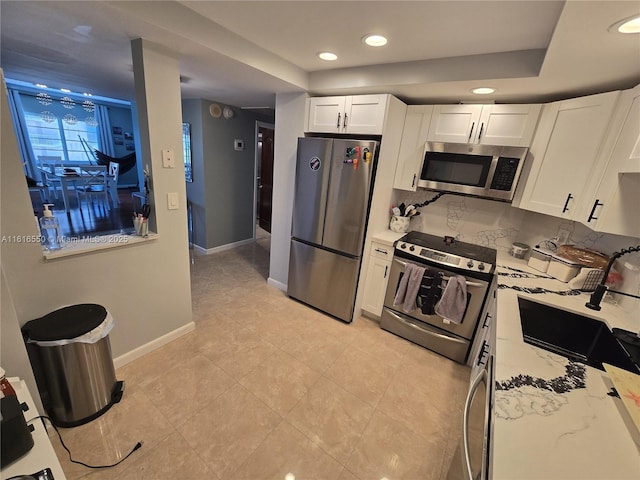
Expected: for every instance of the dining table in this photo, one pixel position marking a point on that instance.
(68, 176)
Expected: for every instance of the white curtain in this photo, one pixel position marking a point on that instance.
(105, 137)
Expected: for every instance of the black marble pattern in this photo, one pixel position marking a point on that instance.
(574, 378)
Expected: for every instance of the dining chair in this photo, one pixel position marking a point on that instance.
(92, 182)
(47, 166)
(114, 170)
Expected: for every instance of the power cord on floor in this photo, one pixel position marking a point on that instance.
(44, 417)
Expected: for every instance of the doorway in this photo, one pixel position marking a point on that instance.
(264, 174)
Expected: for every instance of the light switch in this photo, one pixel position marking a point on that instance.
(168, 159)
(172, 201)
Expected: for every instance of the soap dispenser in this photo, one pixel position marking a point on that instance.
(50, 229)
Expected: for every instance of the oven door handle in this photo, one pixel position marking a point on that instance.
(422, 330)
(446, 279)
(482, 377)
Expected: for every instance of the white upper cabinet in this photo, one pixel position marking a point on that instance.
(509, 125)
(565, 152)
(616, 193)
(414, 136)
(358, 114)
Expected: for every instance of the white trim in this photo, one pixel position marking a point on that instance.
(222, 248)
(277, 284)
(149, 347)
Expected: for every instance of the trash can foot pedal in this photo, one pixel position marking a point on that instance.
(118, 391)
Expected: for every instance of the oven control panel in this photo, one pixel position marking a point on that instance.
(444, 258)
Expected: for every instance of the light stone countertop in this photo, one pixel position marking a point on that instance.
(574, 431)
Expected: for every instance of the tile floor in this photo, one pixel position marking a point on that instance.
(268, 388)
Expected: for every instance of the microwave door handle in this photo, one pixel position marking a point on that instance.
(482, 376)
(446, 279)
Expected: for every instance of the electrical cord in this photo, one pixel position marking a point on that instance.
(45, 417)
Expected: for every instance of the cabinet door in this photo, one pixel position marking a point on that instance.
(509, 125)
(565, 151)
(376, 285)
(326, 114)
(364, 114)
(615, 201)
(455, 123)
(414, 136)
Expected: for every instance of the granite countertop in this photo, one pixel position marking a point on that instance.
(552, 418)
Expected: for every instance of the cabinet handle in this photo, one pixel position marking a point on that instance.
(339, 116)
(566, 204)
(413, 184)
(593, 210)
(379, 250)
(386, 267)
(486, 318)
(480, 134)
(344, 123)
(483, 352)
(471, 132)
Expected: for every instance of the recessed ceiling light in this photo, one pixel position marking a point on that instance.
(65, 90)
(628, 25)
(483, 90)
(41, 85)
(328, 56)
(375, 40)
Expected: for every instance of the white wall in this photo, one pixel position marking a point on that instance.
(146, 287)
(290, 109)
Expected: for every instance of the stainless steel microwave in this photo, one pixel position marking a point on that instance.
(485, 171)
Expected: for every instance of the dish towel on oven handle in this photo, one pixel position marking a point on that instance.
(408, 287)
(453, 303)
(430, 291)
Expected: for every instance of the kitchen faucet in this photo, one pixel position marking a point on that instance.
(601, 289)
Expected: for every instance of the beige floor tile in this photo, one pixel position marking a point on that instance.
(347, 475)
(387, 449)
(171, 459)
(384, 344)
(280, 381)
(363, 374)
(316, 349)
(332, 418)
(288, 454)
(187, 388)
(229, 429)
(111, 436)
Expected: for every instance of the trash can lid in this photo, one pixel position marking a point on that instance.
(67, 322)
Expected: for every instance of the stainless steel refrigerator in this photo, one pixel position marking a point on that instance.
(330, 210)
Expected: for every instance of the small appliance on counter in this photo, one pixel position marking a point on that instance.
(16, 436)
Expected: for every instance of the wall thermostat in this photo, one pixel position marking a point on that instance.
(238, 144)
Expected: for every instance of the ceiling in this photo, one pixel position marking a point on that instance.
(244, 52)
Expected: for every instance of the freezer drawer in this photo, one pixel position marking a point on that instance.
(322, 279)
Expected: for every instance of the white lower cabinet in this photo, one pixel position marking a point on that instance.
(377, 278)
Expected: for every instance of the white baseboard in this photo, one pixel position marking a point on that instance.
(222, 248)
(277, 284)
(153, 345)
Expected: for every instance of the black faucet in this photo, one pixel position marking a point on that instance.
(596, 297)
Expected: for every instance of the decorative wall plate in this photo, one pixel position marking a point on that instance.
(227, 112)
(215, 110)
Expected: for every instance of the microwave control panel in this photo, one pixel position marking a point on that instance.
(505, 173)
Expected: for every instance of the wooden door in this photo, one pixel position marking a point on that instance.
(265, 182)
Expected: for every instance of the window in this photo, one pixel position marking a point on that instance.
(186, 151)
(52, 136)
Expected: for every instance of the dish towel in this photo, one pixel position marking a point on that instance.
(453, 303)
(430, 291)
(408, 287)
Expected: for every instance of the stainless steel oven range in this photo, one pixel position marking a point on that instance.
(447, 257)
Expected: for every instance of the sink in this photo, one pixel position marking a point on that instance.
(576, 337)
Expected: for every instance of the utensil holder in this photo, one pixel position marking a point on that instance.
(399, 224)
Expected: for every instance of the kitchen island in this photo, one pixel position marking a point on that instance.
(552, 418)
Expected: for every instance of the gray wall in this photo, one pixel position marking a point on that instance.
(222, 193)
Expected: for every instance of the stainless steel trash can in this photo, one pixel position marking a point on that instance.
(70, 354)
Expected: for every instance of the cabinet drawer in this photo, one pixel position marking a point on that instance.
(380, 250)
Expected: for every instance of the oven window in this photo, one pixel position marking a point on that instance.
(455, 168)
